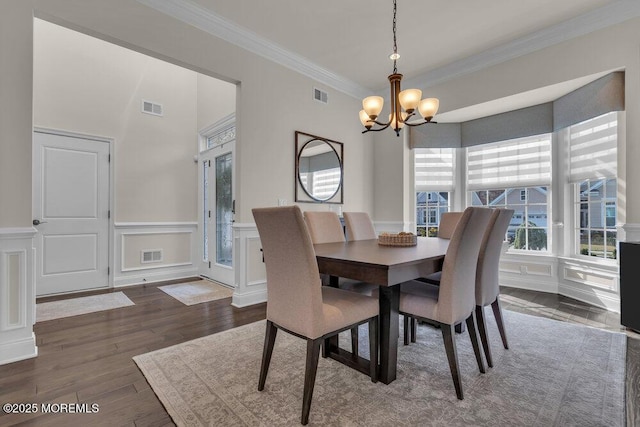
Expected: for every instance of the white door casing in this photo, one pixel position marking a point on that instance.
(71, 202)
(218, 265)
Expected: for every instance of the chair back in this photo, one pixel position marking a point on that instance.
(294, 296)
(448, 222)
(487, 284)
(456, 298)
(324, 227)
(359, 226)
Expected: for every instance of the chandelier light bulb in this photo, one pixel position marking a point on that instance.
(428, 108)
(364, 119)
(409, 99)
(372, 105)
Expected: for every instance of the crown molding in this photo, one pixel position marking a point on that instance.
(611, 14)
(212, 23)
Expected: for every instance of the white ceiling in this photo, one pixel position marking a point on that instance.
(346, 43)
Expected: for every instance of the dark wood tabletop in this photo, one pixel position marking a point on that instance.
(386, 266)
(368, 261)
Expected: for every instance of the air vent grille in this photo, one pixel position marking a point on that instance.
(320, 95)
(151, 108)
(150, 255)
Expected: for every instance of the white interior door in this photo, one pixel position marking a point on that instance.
(218, 213)
(71, 211)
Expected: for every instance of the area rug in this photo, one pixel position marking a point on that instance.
(197, 292)
(555, 374)
(82, 305)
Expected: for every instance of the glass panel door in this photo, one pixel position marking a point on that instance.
(224, 210)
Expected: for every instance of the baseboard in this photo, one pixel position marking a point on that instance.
(150, 277)
(246, 299)
(590, 295)
(15, 351)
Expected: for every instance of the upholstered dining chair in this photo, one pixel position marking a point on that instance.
(447, 225)
(359, 226)
(454, 300)
(297, 303)
(487, 283)
(325, 227)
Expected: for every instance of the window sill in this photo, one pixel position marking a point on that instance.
(609, 265)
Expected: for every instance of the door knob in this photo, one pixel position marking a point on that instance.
(38, 222)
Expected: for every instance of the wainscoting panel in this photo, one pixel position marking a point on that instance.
(154, 251)
(17, 294)
(251, 277)
(529, 272)
(593, 283)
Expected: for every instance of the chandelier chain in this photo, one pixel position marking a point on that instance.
(395, 43)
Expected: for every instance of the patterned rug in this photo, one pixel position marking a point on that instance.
(555, 374)
(83, 305)
(197, 292)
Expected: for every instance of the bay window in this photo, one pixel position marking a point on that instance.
(514, 174)
(593, 170)
(434, 184)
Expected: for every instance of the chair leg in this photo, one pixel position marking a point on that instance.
(269, 341)
(373, 349)
(354, 341)
(475, 342)
(452, 356)
(406, 329)
(497, 312)
(313, 354)
(414, 329)
(482, 328)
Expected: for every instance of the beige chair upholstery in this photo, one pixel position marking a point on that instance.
(324, 227)
(296, 301)
(359, 226)
(448, 222)
(454, 300)
(487, 283)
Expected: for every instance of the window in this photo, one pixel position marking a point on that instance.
(434, 179)
(514, 174)
(528, 229)
(593, 169)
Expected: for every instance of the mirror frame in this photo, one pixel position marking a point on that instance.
(301, 194)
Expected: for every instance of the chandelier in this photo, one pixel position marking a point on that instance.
(407, 100)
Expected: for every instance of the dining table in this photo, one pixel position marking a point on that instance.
(385, 266)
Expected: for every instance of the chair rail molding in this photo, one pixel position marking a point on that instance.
(17, 294)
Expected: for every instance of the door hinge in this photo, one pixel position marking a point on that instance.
(209, 264)
(109, 214)
(108, 271)
(109, 158)
(209, 214)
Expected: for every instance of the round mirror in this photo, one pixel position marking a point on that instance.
(319, 170)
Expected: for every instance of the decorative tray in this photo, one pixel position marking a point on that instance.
(400, 239)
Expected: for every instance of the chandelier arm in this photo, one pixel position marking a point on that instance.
(419, 124)
(376, 130)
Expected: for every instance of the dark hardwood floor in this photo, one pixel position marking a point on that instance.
(88, 358)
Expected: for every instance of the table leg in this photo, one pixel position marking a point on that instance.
(389, 298)
(331, 344)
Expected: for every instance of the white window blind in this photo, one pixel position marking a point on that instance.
(593, 148)
(434, 169)
(514, 163)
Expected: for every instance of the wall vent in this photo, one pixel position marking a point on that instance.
(150, 255)
(320, 95)
(151, 108)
